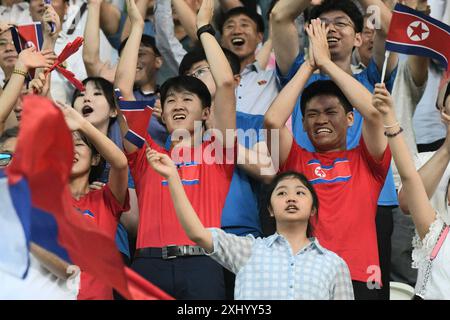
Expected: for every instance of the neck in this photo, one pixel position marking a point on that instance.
(180, 33)
(246, 61)
(8, 72)
(196, 138)
(343, 63)
(79, 186)
(149, 86)
(103, 127)
(295, 234)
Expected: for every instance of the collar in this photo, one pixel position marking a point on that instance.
(314, 243)
(253, 67)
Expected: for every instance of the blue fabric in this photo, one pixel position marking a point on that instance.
(368, 78)
(157, 131)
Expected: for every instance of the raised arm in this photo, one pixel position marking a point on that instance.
(285, 36)
(225, 99)
(187, 18)
(385, 16)
(170, 47)
(433, 170)
(421, 210)
(28, 59)
(91, 47)
(118, 174)
(355, 92)
(186, 214)
(109, 18)
(281, 109)
(229, 4)
(126, 69)
(142, 6)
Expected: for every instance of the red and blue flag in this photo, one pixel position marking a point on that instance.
(413, 33)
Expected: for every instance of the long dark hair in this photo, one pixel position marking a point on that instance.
(268, 222)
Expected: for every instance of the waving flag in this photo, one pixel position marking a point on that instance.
(40, 206)
(414, 33)
(26, 36)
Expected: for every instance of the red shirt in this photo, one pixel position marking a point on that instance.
(206, 186)
(348, 184)
(102, 208)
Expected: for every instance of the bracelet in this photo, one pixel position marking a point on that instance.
(206, 28)
(395, 124)
(392, 135)
(20, 72)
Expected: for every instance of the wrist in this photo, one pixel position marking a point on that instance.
(324, 64)
(208, 28)
(21, 66)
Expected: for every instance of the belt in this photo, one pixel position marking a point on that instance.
(169, 252)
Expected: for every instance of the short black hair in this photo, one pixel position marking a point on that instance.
(96, 172)
(8, 134)
(447, 93)
(190, 84)
(346, 6)
(146, 41)
(268, 223)
(324, 88)
(198, 54)
(245, 11)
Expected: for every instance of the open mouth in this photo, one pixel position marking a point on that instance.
(86, 111)
(323, 131)
(237, 42)
(179, 116)
(292, 208)
(332, 40)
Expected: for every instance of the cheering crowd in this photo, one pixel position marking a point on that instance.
(246, 149)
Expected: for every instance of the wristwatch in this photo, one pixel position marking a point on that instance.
(206, 28)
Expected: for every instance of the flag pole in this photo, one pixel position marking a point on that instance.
(386, 57)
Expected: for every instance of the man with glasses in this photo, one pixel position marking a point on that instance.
(345, 22)
(8, 141)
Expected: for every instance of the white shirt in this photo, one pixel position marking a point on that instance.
(17, 14)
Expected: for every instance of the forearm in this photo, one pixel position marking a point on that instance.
(91, 47)
(256, 162)
(187, 216)
(107, 149)
(263, 55)
(432, 171)
(285, 35)
(187, 18)
(126, 69)
(169, 46)
(11, 93)
(142, 6)
(109, 18)
(284, 104)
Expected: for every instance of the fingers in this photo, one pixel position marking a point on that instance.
(96, 185)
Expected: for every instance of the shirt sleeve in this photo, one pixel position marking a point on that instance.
(342, 286)
(230, 250)
(116, 208)
(379, 168)
(168, 45)
(284, 79)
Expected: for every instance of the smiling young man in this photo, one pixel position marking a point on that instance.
(165, 255)
(348, 182)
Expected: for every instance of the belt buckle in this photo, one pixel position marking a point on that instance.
(166, 255)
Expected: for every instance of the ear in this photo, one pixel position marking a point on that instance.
(206, 112)
(113, 113)
(260, 37)
(271, 214)
(95, 160)
(158, 62)
(358, 40)
(313, 212)
(350, 118)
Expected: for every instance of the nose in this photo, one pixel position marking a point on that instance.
(291, 200)
(322, 118)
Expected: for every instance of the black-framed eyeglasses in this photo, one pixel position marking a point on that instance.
(5, 158)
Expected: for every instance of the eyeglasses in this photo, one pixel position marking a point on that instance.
(199, 73)
(5, 159)
(339, 23)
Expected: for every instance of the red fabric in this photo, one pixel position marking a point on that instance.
(101, 208)
(206, 186)
(44, 156)
(348, 185)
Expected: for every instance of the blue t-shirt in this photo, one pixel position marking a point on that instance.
(368, 78)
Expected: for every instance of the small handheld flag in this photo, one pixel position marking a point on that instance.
(414, 33)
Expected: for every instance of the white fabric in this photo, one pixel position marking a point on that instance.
(62, 89)
(406, 95)
(13, 246)
(18, 13)
(40, 284)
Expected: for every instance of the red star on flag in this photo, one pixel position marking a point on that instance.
(418, 30)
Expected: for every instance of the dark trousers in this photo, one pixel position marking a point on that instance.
(385, 226)
(184, 278)
(362, 291)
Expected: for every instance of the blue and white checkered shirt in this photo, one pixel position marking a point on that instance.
(266, 269)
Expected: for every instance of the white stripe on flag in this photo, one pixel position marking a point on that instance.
(13, 244)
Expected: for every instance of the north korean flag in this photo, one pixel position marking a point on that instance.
(414, 33)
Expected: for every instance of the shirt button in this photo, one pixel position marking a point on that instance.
(292, 264)
(291, 286)
(240, 97)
